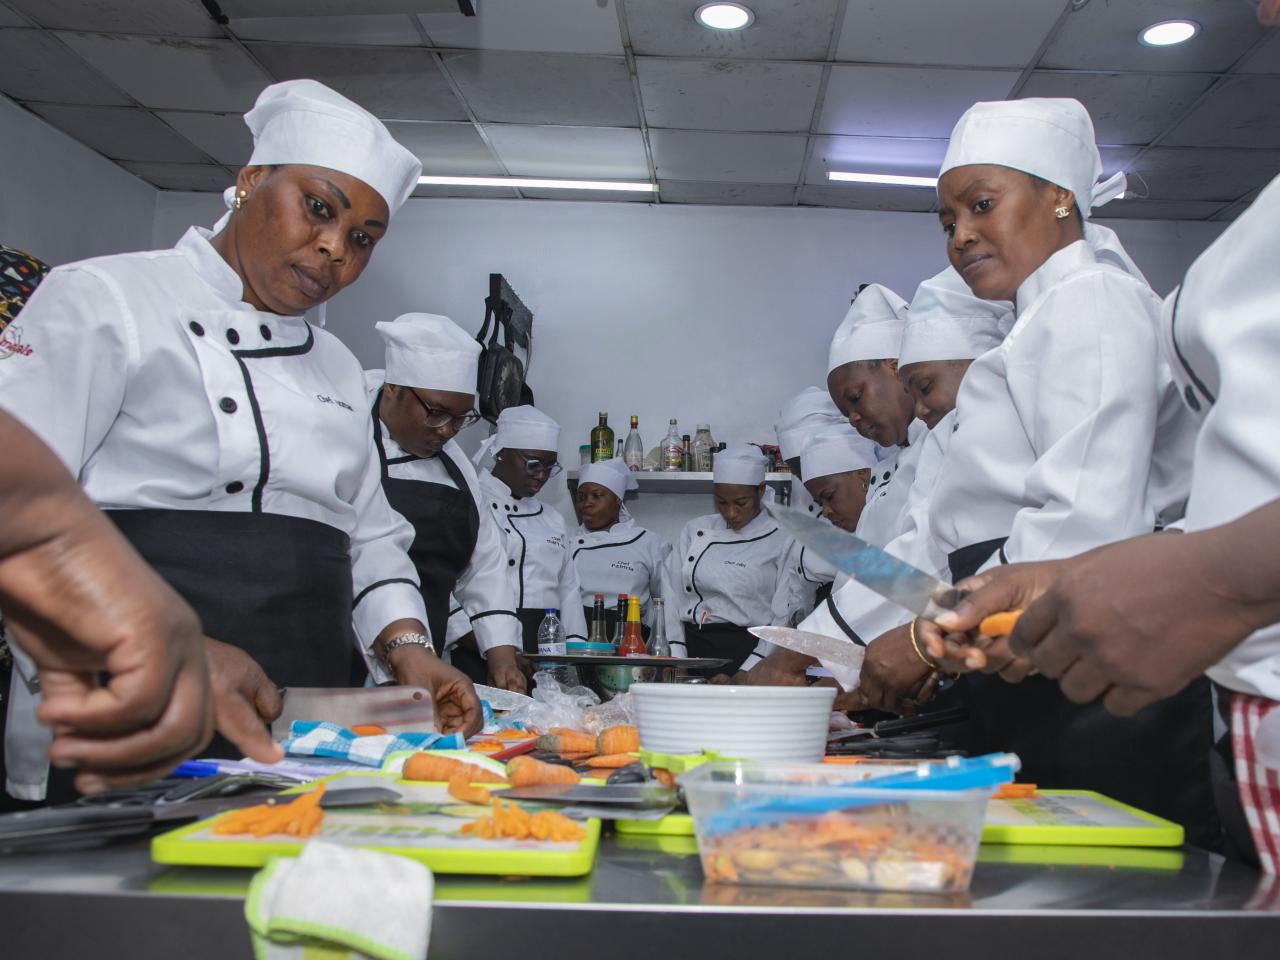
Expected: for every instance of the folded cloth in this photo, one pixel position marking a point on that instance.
(340, 902)
(310, 738)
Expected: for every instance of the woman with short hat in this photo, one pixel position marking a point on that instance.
(225, 435)
(808, 412)
(533, 535)
(615, 555)
(420, 401)
(730, 565)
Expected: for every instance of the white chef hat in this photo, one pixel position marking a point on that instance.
(430, 352)
(526, 428)
(948, 322)
(871, 329)
(800, 417)
(740, 464)
(837, 449)
(614, 475)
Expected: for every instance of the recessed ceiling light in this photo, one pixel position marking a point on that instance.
(724, 16)
(1166, 33)
(637, 186)
(851, 177)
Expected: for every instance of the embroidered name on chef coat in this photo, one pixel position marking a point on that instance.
(623, 565)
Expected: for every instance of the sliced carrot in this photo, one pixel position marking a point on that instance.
(999, 624)
(301, 817)
(528, 772)
(664, 777)
(431, 767)
(1016, 791)
(460, 788)
(513, 735)
(510, 820)
(611, 762)
(620, 739)
(368, 730)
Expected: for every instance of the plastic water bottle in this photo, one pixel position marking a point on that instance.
(551, 643)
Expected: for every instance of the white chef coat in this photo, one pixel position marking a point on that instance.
(1221, 335)
(800, 498)
(537, 549)
(1058, 424)
(887, 498)
(628, 559)
(485, 590)
(130, 377)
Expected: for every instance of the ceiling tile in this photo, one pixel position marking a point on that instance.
(448, 149)
(914, 158)
(1126, 108)
(173, 18)
(34, 66)
(958, 34)
(748, 194)
(205, 178)
(1190, 173)
(10, 19)
(1266, 58)
(1104, 36)
(121, 133)
(609, 153)
(728, 94)
(222, 136)
(905, 102)
(1243, 112)
(783, 30)
(1158, 210)
(388, 29)
(732, 157)
(469, 193)
(177, 74)
(859, 197)
(545, 88)
(549, 26)
(236, 9)
(590, 196)
(393, 83)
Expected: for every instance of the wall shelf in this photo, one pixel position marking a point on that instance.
(658, 481)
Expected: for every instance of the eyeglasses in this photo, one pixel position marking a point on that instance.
(436, 419)
(535, 467)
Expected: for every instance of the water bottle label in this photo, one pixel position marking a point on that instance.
(553, 649)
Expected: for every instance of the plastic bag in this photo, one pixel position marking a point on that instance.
(620, 711)
(553, 705)
(842, 658)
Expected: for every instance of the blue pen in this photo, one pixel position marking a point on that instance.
(195, 768)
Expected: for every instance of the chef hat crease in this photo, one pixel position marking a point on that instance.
(871, 328)
(430, 352)
(947, 322)
(740, 464)
(805, 413)
(614, 475)
(521, 428)
(838, 449)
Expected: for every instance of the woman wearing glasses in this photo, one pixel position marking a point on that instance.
(534, 535)
(420, 402)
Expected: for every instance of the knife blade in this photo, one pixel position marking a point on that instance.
(395, 708)
(909, 587)
(637, 795)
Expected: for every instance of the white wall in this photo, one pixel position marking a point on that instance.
(714, 314)
(61, 201)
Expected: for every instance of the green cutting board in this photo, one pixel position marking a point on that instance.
(424, 826)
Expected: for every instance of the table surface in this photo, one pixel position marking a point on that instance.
(648, 892)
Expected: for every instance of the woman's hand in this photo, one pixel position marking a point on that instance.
(456, 704)
(504, 670)
(893, 677)
(782, 668)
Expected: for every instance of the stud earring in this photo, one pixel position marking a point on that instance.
(1062, 213)
(241, 197)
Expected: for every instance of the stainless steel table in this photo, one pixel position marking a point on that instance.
(646, 898)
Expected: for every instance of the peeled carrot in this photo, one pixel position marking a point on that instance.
(368, 730)
(999, 624)
(611, 762)
(460, 788)
(300, 818)
(568, 742)
(620, 739)
(510, 820)
(437, 769)
(575, 757)
(528, 772)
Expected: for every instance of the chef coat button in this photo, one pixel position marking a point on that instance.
(506, 506)
(508, 529)
(688, 589)
(511, 563)
(265, 331)
(699, 533)
(196, 328)
(227, 405)
(1192, 400)
(691, 559)
(494, 505)
(233, 337)
(235, 486)
(580, 540)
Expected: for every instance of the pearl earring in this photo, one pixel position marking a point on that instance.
(241, 197)
(1062, 213)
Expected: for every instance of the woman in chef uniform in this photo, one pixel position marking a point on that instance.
(799, 419)
(613, 554)
(533, 535)
(1071, 435)
(731, 564)
(225, 435)
(423, 398)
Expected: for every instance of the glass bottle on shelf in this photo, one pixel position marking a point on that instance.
(618, 449)
(602, 439)
(584, 454)
(702, 447)
(619, 622)
(672, 449)
(633, 449)
(599, 632)
(632, 642)
(658, 645)
(686, 455)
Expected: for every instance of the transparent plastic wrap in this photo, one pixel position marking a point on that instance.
(842, 658)
(553, 705)
(620, 711)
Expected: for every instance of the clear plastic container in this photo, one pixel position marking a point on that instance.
(802, 825)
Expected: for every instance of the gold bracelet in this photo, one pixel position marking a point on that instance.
(915, 645)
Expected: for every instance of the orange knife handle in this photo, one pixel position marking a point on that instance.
(999, 624)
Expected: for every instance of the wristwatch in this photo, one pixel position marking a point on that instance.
(404, 640)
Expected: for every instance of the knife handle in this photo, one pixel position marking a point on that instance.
(71, 819)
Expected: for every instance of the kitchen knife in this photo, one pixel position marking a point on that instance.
(635, 795)
(396, 709)
(907, 586)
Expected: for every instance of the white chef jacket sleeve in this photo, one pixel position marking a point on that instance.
(459, 624)
(571, 615)
(674, 576)
(68, 386)
(383, 578)
(793, 595)
(486, 592)
(661, 584)
(1087, 397)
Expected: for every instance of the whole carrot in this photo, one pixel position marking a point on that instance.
(528, 772)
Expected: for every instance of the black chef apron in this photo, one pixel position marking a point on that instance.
(1156, 760)
(445, 526)
(725, 640)
(277, 587)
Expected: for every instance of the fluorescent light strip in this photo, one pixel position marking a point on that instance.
(848, 177)
(637, 186)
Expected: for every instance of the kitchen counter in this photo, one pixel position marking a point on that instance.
(648, 894)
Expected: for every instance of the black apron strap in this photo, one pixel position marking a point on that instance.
(725, 640)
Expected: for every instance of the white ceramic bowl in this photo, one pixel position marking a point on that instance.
(748, 723)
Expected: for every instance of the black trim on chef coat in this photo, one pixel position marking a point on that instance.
(602, 546)
(514, 528)
(380, 583)
(1191, 374)
(693, 574)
